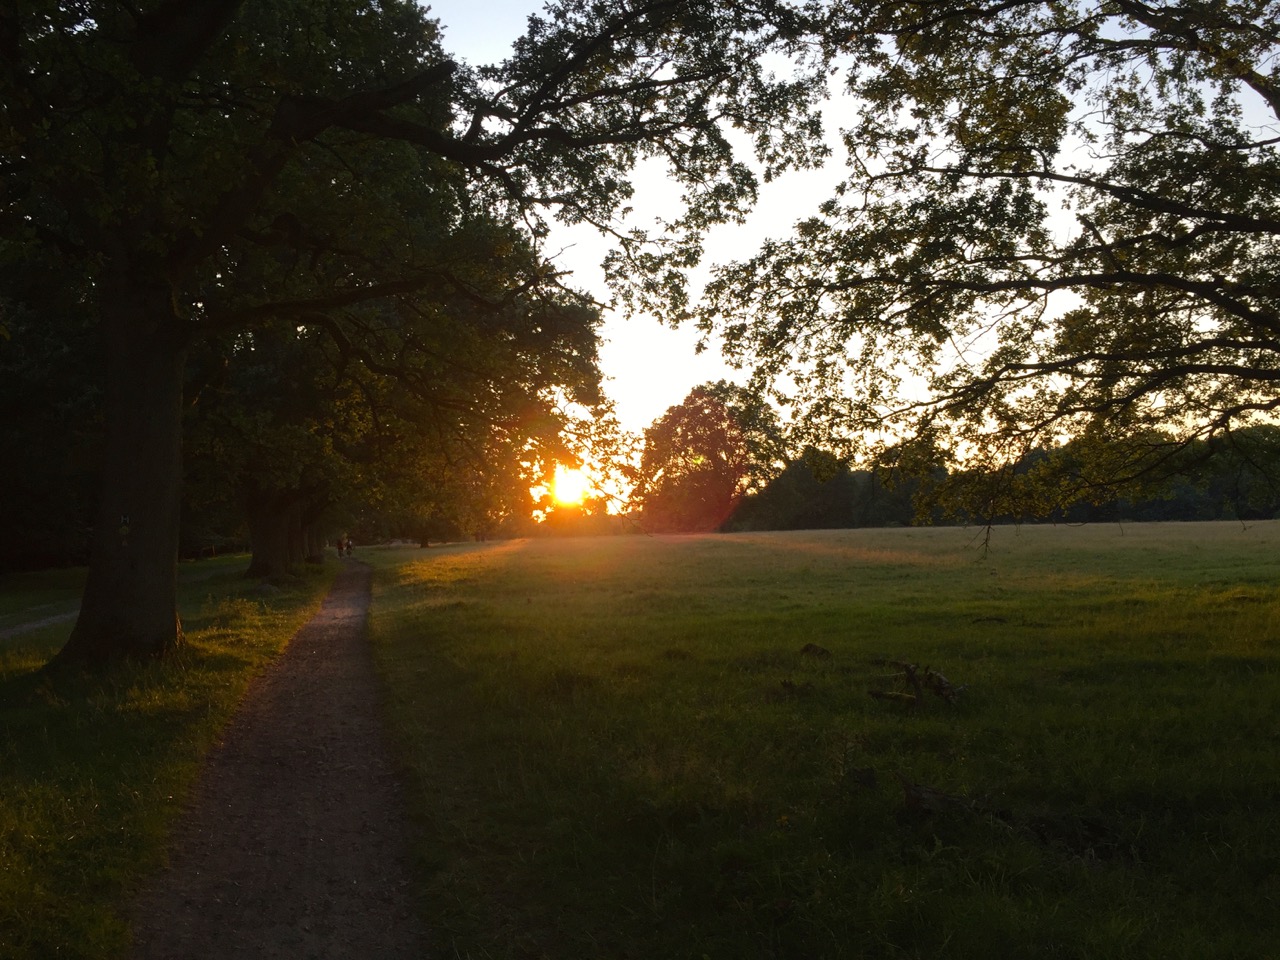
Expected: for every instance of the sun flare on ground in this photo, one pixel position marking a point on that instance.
(570, 485)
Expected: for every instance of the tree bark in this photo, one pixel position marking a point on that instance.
(315, 543)
(272, 519)
(297, 536)
(313, 524)
(284, 529)
(129, 607)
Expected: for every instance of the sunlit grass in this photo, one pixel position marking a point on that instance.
(620, 750)
(94, 770)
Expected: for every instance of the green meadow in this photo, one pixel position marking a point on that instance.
(668, 747)
(94, 769)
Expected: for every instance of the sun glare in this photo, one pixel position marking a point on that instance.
(570, 485)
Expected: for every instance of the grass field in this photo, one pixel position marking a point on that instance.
(618, 748)
(93, 771)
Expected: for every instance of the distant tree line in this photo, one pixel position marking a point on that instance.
(817, 492)
(718, 461)
(1234, 476)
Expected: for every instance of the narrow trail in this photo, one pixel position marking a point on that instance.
(30, 625)
(296, 845)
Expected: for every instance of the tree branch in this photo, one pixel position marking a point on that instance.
(171, 38)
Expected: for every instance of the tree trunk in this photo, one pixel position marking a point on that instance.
(315, 543)
(271, 519)
(297, 536)
(129, 608)
(284, 531)
(313, 525)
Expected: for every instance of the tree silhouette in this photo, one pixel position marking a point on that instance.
(701, 457)
(1060, 220)
(207, 166)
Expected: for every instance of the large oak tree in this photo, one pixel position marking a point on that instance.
(158, 148)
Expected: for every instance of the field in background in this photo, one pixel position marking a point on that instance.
(93, 771)
(621, 748)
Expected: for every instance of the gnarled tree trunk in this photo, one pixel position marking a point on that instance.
(129, 607)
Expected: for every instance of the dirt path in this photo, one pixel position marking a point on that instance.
(27, 626)
(30, 625)
(296, 845)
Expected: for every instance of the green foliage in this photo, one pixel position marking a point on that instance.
(819, 492)
(1156, 476)
(220, 172)
(619, 747)
(288, 156)
(97, 768)
(1235, 475)
(389, 418)
(50, 404)
(1059, 221)
(703, 455)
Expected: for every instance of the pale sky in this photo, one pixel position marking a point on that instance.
(650, 367)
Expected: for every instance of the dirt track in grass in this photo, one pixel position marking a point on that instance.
(296, 844)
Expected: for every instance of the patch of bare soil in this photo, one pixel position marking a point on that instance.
(296, 845)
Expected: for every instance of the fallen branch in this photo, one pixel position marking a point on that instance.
(894, 697)
(916, 682)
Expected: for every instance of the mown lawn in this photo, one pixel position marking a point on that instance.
(94, 770)
(618, 747)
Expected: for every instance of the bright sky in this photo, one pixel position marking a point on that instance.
(650, 367)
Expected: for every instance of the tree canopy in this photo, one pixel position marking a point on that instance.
(208, 168)
(1059, 222)
(1060, 219)
(703, 455)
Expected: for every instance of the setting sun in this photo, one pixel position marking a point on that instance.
(570, 485)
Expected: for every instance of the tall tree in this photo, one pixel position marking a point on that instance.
(304, 417)
(1061, 219)
(702, 456)
(160, 147)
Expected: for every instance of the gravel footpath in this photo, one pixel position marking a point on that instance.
(296, 844)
